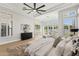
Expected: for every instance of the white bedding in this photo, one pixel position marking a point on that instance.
(44, 50)
(44, 47)
(68, 48)
(59, 50)
(37, 44)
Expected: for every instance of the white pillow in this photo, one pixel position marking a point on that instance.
(62, 44)
(68, 48)
(68, 39)
(58, 51)
(60, 48)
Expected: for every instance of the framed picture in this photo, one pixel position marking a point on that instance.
(25, 28)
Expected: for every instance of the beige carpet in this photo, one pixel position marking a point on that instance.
(3, 48)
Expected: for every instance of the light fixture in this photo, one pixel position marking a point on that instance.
(34, 10)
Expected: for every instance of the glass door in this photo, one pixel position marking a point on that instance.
(69, 20)
(69, 23)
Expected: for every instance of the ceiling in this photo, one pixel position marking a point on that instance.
(49, 7)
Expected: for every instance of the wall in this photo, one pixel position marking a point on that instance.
(17, 21)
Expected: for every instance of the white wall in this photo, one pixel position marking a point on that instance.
(17, 21)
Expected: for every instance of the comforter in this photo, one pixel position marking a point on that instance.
(39, 44)
(44, 47)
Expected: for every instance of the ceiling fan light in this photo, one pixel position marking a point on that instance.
(34, 10)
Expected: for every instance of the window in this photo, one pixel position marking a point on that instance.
(69, 18)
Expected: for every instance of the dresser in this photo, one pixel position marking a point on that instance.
(25, 36)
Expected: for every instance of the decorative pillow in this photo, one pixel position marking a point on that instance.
(67, 49)
(58, 51)
(60, 48)
(57, 41)
(68, 39)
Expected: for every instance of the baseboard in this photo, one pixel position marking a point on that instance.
(8, 42)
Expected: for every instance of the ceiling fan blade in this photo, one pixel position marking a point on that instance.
(38, 12)
(27, 9)
(28, 5)
(24, 8)
(42, 10)
(29, 12)
(34, 5)
(40, 7)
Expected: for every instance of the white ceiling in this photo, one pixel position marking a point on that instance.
(18, 7)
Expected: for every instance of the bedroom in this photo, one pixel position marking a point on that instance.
(52, 28)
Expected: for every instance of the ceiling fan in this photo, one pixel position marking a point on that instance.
(34, 9)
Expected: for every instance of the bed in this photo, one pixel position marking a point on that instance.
(45, 47)
(38, 45)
